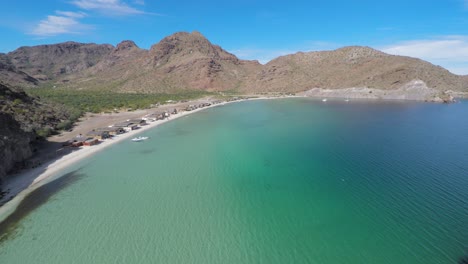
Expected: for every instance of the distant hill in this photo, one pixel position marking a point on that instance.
(48, 62)
(352, 67)
(188, 61)
(179, 62)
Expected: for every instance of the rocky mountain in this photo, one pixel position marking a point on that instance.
(352, 67)
(179, 62)
(188, 61)
(9, 74)
(23, 120)
(48, 62)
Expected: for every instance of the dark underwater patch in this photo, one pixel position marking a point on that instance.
(10, 226)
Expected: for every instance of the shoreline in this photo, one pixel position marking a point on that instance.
(25, 182)
(413, 91)
(29, 180)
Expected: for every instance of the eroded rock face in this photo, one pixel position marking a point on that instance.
(415, 90)
(125, 45)
(31, 113)
(9, 74)
(15, 143)
(22, 120)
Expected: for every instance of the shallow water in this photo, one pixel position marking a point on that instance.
(277, 181)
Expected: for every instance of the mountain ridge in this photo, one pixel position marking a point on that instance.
(189, 61)
(354, 66)
(47, 62)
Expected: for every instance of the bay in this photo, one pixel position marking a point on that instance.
(267, 181)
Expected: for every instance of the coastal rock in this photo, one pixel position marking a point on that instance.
(14, 144)
(32, 114)
(415, 90)
(24, 120)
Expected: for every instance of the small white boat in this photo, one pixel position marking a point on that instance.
(138, 139)
(347, 100)
(324, 99)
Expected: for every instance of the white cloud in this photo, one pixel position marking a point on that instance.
(109, 7)
(450, 52)
(71, 14)
(63, 23)
(68, 22)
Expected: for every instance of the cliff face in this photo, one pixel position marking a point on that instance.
(23, 120)
(15, 143)
(32, 114)
(9, 74)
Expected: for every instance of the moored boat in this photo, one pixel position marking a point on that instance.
(138, 139)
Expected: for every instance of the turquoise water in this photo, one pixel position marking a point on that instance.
(277, 181)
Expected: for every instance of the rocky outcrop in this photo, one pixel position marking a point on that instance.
(183, 45)
(415, 90)
(10, 75)
(125, 45)
(32, 114)
(24, 120)
(15, 144)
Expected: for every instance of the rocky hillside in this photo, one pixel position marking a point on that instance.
(179, 62)
(351, 67)
(15, 144)
(188, 61)
(48, 62)
(23, 120)
(9, 74)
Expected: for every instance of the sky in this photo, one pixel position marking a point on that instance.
(433, 30)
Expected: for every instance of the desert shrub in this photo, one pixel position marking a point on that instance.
(17, 101)
(44, 132)
(65, 125)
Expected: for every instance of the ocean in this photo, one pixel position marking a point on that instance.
(265, 181)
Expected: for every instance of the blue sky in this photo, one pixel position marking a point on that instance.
(434, 30)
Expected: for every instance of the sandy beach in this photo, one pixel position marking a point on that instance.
(26, 181)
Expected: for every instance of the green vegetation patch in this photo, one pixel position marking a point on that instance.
(100, 101)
